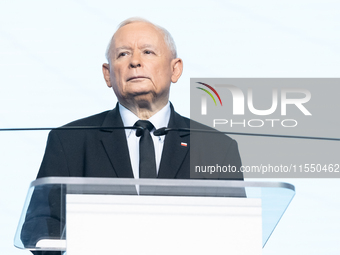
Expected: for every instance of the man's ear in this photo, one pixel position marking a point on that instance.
(177, 69)
(106, 73)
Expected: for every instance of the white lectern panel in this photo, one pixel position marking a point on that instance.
(154, 225)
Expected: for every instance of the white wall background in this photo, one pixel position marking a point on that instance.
(50, 74)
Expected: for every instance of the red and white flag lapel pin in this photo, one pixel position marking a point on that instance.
(184, 144)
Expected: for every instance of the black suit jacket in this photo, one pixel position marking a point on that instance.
(104, 152)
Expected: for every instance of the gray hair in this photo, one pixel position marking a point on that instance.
(167, 36)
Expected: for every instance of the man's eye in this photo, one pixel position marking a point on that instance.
(122, 54)
(148, 52)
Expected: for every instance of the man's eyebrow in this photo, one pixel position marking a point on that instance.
(147, 46)
(123, 48)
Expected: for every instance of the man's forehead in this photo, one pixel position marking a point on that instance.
(142, 46)
(141, 31)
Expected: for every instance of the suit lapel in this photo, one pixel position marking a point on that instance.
(115, 144)
(174, 151)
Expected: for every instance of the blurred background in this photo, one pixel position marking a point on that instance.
(51, 54)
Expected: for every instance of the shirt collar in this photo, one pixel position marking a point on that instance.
(159, 120)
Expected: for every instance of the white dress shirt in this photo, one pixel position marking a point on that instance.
(159, 120)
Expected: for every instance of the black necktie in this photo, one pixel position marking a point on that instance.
(147, 161)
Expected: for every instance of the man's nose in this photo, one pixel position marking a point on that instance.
(135, 61)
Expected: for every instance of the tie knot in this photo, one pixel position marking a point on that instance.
(145, 124)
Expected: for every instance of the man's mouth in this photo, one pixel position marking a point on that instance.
(137, 77)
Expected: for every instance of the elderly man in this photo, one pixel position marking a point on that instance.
(142, 65)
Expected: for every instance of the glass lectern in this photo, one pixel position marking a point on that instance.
(128, 213)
